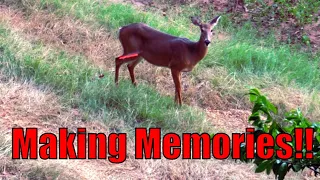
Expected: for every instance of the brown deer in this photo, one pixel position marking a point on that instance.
(179, 54)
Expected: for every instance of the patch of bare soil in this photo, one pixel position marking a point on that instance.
(230, 121)
(288, 31)
(313, 32)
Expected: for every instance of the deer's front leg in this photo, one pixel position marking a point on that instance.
(176, 75)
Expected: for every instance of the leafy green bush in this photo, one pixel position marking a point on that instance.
(275, 125)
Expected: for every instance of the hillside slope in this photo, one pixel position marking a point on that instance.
(33, 38)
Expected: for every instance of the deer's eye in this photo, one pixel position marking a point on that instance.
(211, 30)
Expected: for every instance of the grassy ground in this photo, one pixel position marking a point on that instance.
(27, 104)
(243, 54)
(64, 46)
(75, 80)
(244, 60)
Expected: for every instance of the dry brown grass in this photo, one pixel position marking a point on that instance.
(25, 106)
(66, 34)
(206, 89)
(98, 46)
(288, 98)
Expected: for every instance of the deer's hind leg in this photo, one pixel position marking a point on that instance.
(119, 62)
(131, 67)
(131, 53)
(132, 57)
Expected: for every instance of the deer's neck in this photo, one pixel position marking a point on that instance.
(201, 50)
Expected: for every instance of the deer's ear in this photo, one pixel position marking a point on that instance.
(195, 20)
(215, 21)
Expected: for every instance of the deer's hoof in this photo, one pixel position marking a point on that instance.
(135, 84)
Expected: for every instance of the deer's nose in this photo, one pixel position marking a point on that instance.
(207, 42)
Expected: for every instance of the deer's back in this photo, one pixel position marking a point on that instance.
(155, 46)
(143, 32)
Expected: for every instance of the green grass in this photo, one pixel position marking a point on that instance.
(111, 15)
(280, 63)
(73, 78)
(245, 53)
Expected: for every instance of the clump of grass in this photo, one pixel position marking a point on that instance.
(5, 145)
(76, 80)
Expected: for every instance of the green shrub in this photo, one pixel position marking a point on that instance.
(276, 125)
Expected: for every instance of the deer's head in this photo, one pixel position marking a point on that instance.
(206, 28)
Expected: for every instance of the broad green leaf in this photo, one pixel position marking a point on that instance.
(262, 166)
(275, 132)
(211, 135)
(296, 167)
(283, 171)
(255, 91)
(254, 117)
(276, 166)
(258, 160)
(269, 169)
(272, 108)
(264, 101)
(253, 97)
(269, 166)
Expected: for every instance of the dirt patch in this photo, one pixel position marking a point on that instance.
(231, 121)
(313, 32)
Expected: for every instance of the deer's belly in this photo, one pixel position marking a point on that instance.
(157, 59)
(183, 66)
(187, 69)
